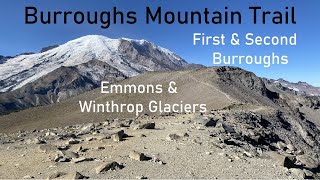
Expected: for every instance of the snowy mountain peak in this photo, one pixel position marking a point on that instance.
(143, 42)
(94, 40)
(131, 59)
(300, 87)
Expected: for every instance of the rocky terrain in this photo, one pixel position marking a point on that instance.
(3, 59)
(59, 85)
(215, 145)
(45, 49)
(299, 87)
(252, 129)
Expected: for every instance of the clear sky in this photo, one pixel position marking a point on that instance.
(17, 37)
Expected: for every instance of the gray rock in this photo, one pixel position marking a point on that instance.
(74, 176)
(100, 137)
(70, 154)
(137, 156)
(80, 149)
(141, 177)
(37, 140)
(289, 161)
(291, 147)
(60, 158)
(282, 160)
(82, 159)
(108, 166)
(86, 129)
(62, 148)
(248, 154)
(281, 145)
(100, 148)
(73, 141)
(50, 134)
(45, 148)
(149, 125)
(228, 128)
(65, 135)
(298, 173)
(91, 138)
(300, 152)
(157, 160)
(28, 177)
(173, 137)
(106, 123)
(308, 173)
(118, 136)
(307, 161)
(63, 175)
(205, 121)
(183, 135)
(56, 175)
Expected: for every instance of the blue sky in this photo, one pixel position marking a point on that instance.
(17, 37)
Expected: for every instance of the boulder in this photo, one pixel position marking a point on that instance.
(307, 161)
(63, 175)
(149, 125)
(282, 160)
(298, 173)
(70, 154)
(108, 166)
(118, 136)
(205, 121)
(82, 159)
(86, 129)
(137, 156)
(56, 175)
(74, 175)
(309, 174)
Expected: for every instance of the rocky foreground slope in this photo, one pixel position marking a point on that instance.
(254, 129)
(216, 145)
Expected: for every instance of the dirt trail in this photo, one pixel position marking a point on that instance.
(209, 85)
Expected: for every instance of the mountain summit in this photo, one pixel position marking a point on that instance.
(130, 57)
(78, 66)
